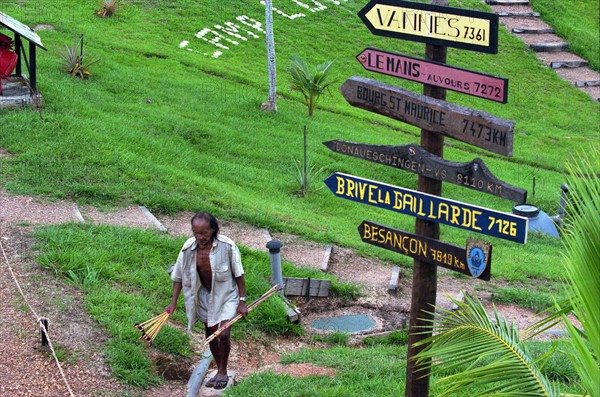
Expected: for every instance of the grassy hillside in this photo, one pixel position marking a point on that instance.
(578, 22)
(202, 142)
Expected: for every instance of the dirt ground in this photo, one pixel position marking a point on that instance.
(27, 369)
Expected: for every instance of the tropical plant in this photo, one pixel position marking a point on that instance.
(310, 85)
(108, 8)
(582, 268)
(490, 353)
(76, 63)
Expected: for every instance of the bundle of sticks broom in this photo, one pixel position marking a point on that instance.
(151, 328)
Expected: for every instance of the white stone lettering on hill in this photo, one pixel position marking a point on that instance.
(222, 35)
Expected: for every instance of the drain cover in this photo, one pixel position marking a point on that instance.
(349, 323)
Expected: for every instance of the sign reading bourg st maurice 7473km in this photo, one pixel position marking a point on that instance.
(472, 126)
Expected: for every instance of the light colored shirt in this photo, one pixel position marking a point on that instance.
(226, 266)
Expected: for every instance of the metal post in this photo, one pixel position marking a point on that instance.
(274, 247)
(32, 67)
(44, 324)
(18, 45)
(424, 283)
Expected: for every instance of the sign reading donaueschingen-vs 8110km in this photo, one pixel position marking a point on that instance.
(432, 24)
(429, 207)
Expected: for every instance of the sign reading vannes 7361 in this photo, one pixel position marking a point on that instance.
(429, 207)
(432, 24)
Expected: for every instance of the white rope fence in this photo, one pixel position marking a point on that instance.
(38, 320)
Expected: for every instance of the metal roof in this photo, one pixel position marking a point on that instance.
(21, 29)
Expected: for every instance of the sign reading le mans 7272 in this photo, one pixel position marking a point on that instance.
(432, 24)
(429, 207)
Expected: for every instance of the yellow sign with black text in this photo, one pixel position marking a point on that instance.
(438, 25)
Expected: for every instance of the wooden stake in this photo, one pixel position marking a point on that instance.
(424, 285)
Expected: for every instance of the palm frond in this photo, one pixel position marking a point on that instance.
(487, 353)
(582, 268)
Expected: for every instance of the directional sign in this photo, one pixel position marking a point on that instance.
(413, 158)
(438, 74)
(429, 207)
(472, 126)
(425, 249)
(432, 24)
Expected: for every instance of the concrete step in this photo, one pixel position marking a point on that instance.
(514, 11)
(568, 64)
(548, 47)
(524, 14)
(532, 30)
(594, 92)
(527, 25)
(508, 2)
(561, 59)
(580, 77)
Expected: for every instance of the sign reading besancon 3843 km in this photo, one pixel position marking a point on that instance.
(429, 207)
(432, 24)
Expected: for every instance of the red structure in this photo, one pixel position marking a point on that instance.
(12, 59)
(8, 58)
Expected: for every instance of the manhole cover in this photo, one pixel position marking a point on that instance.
(349, 323)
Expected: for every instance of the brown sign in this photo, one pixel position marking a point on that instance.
(477, 128)
(413, 158)
(427, 250)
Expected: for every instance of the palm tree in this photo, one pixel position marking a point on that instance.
(490, 352)
(310, 85)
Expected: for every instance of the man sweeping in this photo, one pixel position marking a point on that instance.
(209, 270)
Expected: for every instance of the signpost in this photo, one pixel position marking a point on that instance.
(413, 158)
(432, 24)
(425, 249)
(478, 128)
(429, 207)
(438, 26)
(440, 75)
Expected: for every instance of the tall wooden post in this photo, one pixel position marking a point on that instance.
(424, 282)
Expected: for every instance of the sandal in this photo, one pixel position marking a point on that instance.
(212, 381)
(221, 383)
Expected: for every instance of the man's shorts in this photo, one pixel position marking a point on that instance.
(203, 299)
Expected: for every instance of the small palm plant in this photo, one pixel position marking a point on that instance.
(310, 85)
(491, 353)
(75, 61)
(109, 8)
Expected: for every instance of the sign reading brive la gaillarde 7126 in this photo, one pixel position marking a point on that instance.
(429, 207)
(440, 75)
(413, 158)
(472, 126)
(429, 250)
(432, 24)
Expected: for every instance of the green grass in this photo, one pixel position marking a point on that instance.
(123, 273)
(526, 298)
(577, 22)
(334, 338)
(378, 370)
